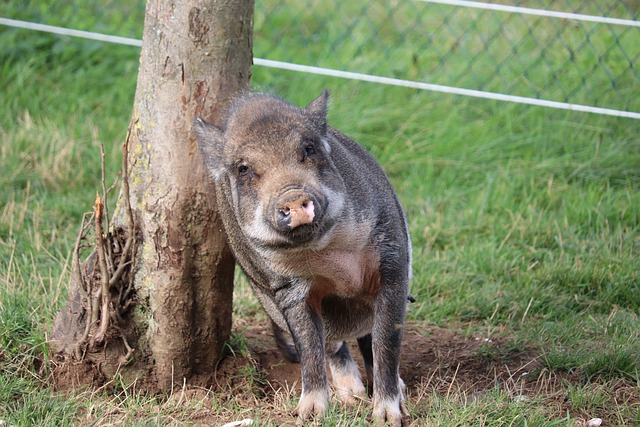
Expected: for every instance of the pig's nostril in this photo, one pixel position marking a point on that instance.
(284, 213)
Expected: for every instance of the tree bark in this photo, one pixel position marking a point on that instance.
(196, 55)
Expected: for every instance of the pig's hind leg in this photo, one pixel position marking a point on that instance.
(346, 376)
(364, 344)
(285, 343)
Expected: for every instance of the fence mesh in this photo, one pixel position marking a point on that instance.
(542, 57)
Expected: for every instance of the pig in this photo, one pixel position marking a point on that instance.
(316, 226)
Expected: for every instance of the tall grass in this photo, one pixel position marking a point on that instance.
(525, 221)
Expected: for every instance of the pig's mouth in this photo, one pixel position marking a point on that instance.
(305, 235)
(301, 234)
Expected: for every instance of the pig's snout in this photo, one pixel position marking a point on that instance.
(294, 212)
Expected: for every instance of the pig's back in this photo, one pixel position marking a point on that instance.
(366, 181)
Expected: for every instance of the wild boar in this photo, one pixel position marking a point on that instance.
(317, 227)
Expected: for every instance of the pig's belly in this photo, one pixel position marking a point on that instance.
(346, 318)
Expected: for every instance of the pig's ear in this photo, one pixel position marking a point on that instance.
(317, 110)
(211, 143)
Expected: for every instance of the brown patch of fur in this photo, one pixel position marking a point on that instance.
(321, 288)
(351, 273)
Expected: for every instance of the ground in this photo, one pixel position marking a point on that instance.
(254, 381)
(433, 360)
(429, 354)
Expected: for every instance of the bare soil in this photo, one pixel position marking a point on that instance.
(433, 359)
(261, 384)
(429, 353)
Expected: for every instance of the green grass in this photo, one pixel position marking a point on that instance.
(525, 224)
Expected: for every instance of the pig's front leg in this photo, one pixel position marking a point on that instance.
(306, 329)
(388, 388)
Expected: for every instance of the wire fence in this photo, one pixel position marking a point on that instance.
(566, 52)
(573, 54)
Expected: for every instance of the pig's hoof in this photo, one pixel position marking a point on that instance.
(312, 404)
(389, 412)
(349, 388)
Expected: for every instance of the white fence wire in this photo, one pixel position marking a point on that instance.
(537, 12)
(370, 77)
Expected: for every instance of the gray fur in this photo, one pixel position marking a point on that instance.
(317, 227)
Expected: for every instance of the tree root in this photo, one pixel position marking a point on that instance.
(104, 280)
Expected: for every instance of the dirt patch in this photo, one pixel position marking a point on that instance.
(75, 375)
(256, 378)
(446, 362)
(431, 356)
(255, 381)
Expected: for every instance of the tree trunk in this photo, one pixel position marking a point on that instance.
(196, 55)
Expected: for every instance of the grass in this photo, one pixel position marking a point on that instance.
(525, 224)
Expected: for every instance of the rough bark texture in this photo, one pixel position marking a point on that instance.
(196, 55)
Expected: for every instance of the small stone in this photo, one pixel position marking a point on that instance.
(521, 398)
(593, 422)
(245, 422)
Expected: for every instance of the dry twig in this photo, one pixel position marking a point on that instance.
(104, 272)
(112, 260)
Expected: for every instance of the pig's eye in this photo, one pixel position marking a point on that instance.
(309, 149)
(243, 170)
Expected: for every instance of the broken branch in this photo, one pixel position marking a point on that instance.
(104, 278)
